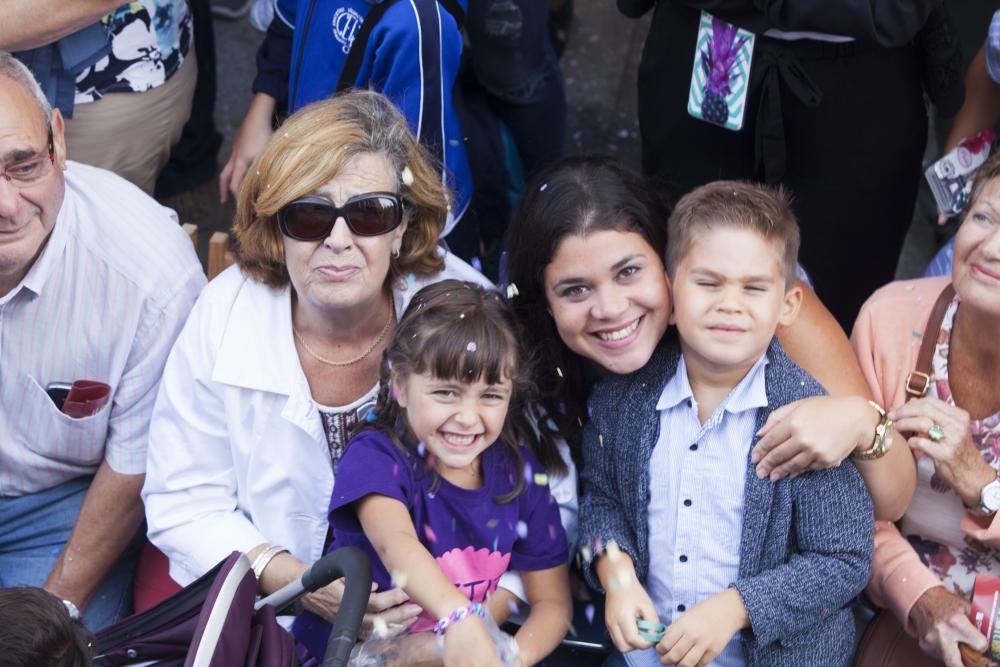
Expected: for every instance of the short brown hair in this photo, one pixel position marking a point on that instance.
(312, 146)
(35, 629)
(762, 209)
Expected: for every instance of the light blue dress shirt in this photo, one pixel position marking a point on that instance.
(697, 474)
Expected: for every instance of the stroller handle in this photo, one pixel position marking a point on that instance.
(351, 564)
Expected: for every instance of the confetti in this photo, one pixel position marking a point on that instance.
(492, 523)
(400, 578)
(600, 439)
(429, 533)
(461, 316)
(586, 553)
(471, 347)
(527, 472)
(371, 416)
(522, 529)
(917, 334)
(512, 291)
(407, 176)
(421, 448)
(588, 611)
(379, 627)
(411, 280)
(541, 479)
(544, 186)
(559, 371)
(612, 551)
(395, 470)
(496, 543)
(476, 264)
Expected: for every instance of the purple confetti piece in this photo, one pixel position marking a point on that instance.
(476, 264)
(421, 449)
(588, 611)
(395, 470)
(429, 533)
(528, 474)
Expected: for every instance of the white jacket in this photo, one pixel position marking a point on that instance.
(237, 455)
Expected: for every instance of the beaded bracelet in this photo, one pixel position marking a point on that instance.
(475, 608)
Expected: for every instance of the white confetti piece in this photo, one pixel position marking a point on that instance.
(471, 347)
(522, 529)
(407, 176)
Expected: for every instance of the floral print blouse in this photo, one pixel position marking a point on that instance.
(932, 522)
(149, 41)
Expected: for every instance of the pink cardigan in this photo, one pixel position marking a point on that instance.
(886, 340)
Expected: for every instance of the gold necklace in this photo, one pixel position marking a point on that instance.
(349, 362)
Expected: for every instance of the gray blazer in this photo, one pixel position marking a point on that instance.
(806, 546)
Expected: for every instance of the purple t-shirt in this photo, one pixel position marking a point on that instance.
(473, 538)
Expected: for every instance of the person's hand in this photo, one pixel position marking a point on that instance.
(391, 607)
(702, 632)
(627, 601)
(940, 621)
(250, 140)
(812, 434)
(957, 460)
(467, 643)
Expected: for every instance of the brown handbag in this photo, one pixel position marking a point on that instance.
(885, 643)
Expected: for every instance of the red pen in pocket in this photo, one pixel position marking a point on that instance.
(85, 398)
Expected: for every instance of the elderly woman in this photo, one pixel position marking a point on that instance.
(336, 228)
(934, 341)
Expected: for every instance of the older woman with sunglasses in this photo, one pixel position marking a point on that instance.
(336, 227)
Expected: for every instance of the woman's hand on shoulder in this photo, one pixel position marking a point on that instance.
(812, 434)
(957, 460)
(939, 619)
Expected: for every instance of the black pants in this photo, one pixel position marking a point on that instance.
(853, 123)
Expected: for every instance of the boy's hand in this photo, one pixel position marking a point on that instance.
(699, 635)
(626, 601)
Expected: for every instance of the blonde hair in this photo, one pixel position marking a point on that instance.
(311, 147)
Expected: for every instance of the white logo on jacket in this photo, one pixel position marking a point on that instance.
(346, 22)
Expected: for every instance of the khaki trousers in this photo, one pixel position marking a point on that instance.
(131, 133)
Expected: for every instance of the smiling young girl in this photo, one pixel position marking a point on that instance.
(439, 490)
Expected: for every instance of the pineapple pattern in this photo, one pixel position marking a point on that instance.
(721, 71)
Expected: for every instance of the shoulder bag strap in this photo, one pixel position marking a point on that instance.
(349, 74)
(919, 379)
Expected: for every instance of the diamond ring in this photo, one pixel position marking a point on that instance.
(935, 432)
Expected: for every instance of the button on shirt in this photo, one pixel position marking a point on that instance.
(697, 474)
(103, 301)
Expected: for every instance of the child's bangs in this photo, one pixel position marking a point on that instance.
(467, 351)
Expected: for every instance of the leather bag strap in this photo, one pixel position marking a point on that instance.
(919, 379)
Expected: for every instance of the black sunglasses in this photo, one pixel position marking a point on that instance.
(313, 218)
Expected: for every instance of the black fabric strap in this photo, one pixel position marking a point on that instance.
(352, 66)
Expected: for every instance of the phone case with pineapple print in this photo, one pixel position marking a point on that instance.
(721, 77)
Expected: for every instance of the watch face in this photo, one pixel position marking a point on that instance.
(991, 496)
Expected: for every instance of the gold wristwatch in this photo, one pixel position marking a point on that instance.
(883, 437)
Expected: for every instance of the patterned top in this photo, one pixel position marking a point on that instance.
(933, 522)
(149, 41)
(339, 422)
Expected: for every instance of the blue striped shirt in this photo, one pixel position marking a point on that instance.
(697, 476)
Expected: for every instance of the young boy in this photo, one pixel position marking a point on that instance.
(741, 570)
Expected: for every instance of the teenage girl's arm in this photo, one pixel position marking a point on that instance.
(822, 431)
(549, 617)
(388, 526)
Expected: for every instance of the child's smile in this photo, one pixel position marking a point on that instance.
(456, 421)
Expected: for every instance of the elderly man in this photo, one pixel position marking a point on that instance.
(96, 280)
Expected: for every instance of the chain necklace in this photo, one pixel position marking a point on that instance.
(349, 362)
